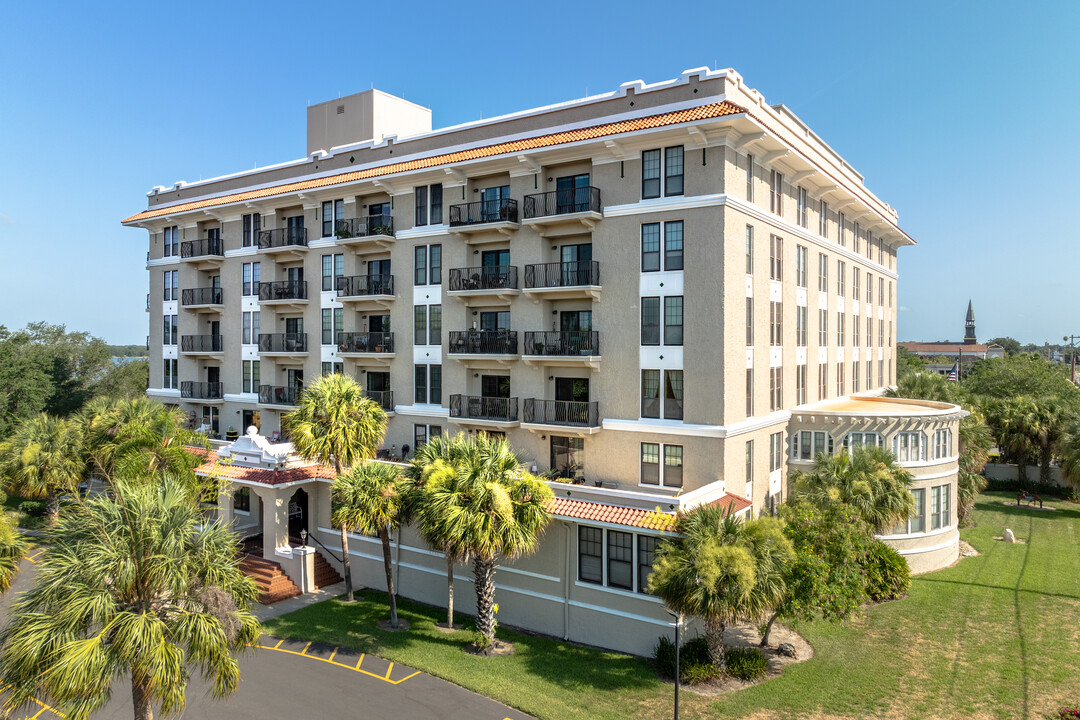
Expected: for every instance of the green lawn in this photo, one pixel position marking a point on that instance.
(997, 636)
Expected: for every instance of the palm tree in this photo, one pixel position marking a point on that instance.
(1008, 420)
(975, 442)
(868, 479)
(13, 547)
(335, 425)
(923, 386)
(134, 584)
(721, 569)
(369, 499)
(43, 458)
(485, 505)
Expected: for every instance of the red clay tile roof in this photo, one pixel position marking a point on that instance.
(264, 476)
(942, 347)
(736, 503)
(208, 455)
(615, 514)
(702, 112)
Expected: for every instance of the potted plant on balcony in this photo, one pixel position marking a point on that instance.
(538, 348)
(342, 232)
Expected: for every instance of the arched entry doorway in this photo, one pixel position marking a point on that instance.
(298, 515)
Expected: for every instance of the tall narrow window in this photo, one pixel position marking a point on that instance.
(435, 274)
(749, 460)
(750, 178)
(420, 385)
(749, 249)
(776, 323)
(800, 384)
(673, 320)
(650, 247)
(801, 208)
(823, 327)
(650, 321)
(823, 272)
(801, 262)
(841, 229)
(841, 277)
(435, 325)
(650, 393)
(590, 554)
(749, 321)
(823, 219)
(776, 389)
(776, 253)
(420, 325)
(841, 323)
(673, 245)
(650, 174)
(855, 376)
(823, 381)
(435, 196)
(673, 170)
(420, 265)
(673, 394)
(800, 325)
(839, 378)
(420, 196)
(620, 559)
(749, 392)
(776, 193)
(646, 557)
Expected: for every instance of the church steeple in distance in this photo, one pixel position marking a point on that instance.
(969, 326)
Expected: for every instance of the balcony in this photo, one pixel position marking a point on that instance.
(561, 416)
(563, 212)
(208, 252)
(278, 395)
(283, 240)
(201, 345)
(500, 216)
(207, 297)
(283, 344)
(376, 291)
(497, 284)
(283, 292)
(209, 392)
(563, 280)
(372, 345)
(471, 345)
(493, 412)
(385, 398)
(572, 348)
(373, 233)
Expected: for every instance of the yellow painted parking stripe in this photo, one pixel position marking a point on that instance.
(44, 707)
(278, 644)
(385, 677)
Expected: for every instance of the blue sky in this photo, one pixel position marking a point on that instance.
(962, 115)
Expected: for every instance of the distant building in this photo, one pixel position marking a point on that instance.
(940, 357)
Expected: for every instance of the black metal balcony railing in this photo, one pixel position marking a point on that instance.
(562, 274)
(385, 398)
(283, 290)
(562, 202)
(360, 285)
(485, 211)
(364, 227)
(484, 342)
(191, 390)
(201, 248)
(561, 412)
(201, 343)
(472, 407)
(365, 342)
(497, 277)
(278, 395)
(282, 237)
(201, 296)
(283, 343)
(562, 343)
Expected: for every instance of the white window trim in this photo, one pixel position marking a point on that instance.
(663, 465)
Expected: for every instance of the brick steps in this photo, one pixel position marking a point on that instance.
(273, 583)
(325, 574)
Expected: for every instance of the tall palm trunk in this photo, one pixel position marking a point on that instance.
(1045, 456)
(449, 591)
(140, 698)
(345, 550)
(484, 575)
(52, 506)
(714, 639)
(384, 536)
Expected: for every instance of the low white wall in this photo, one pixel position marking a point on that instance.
(1005, 471)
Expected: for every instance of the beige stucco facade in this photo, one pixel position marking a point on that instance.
(717, 149)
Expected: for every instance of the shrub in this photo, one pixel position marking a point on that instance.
(746, 663)
(1043, 490)
(1067, 713)
(694, 664)
(33, 508)
(886, 573)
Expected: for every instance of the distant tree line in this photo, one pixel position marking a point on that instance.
(135, 351)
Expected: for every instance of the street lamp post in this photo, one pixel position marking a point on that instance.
(1071, 339)
(678, 625)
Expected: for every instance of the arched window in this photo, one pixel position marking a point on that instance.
(909, 446)
(854, 440)
(806, 444)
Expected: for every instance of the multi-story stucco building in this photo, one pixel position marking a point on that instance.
(670, 293)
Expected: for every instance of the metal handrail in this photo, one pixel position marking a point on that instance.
(562, 274)
(488, 277)
(283, 237)
(201, 343)
(365, 342)
(283, 342)
(283, 290)
(201, 248)
(486, 342)
(364, 227)
(200, 296)
(477, 407)
(328, 550)
(560, 343)
(193, 390)
(279, 394)
(484, 211)
(562, 202)
(363, 285)
(562, 412)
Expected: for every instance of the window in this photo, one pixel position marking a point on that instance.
(855, 377)
(646, 553)
(800, 325)
(427, 265)
(620, 559)
(750, 178)
(942, 444)
(420, 324)
(855, 285)
(250, 376)
(673, 245)
(650, 321)
(333, 322)
(855, 237)
(749, 469)
(435, 385)
(841, 227)
(420, 265)
(841, 328)
(420, 195)
(672, 407)
(331, 368)
(940, 510)
(332, 211)
(435, 272)
(251, 279)
(869, 245)
(428, 384)
(650, 247)
(667, 474)
(428, 204)
(909, 446)
(749, 322)
(333, 267)
(800, 384)
(171, 242)
(776, 250)
(749, 392)
(673, 170)
(822, 381)
(881, 291)
(855, 440)
(806, 444)
(435, 325)
(242, 500)
(800, 208)
(776, 193)
(252, 225)
(841, 277)
(776, 451)
(590, 554)
(650, 393)
(249, 331)
(916, 523)
(567, 455)
(673, 320)
(169, 329)
(839, 378)
(776, 323)
(749, 249)
(869, 331)
(823, 327)
(880, 332)
(800, 265)
(169, 378)
(869, 288)
(869, 376)
(823, 219)
(650, 174)
(776, 389)
(890, 293)
(170, 281)
(673, 394)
